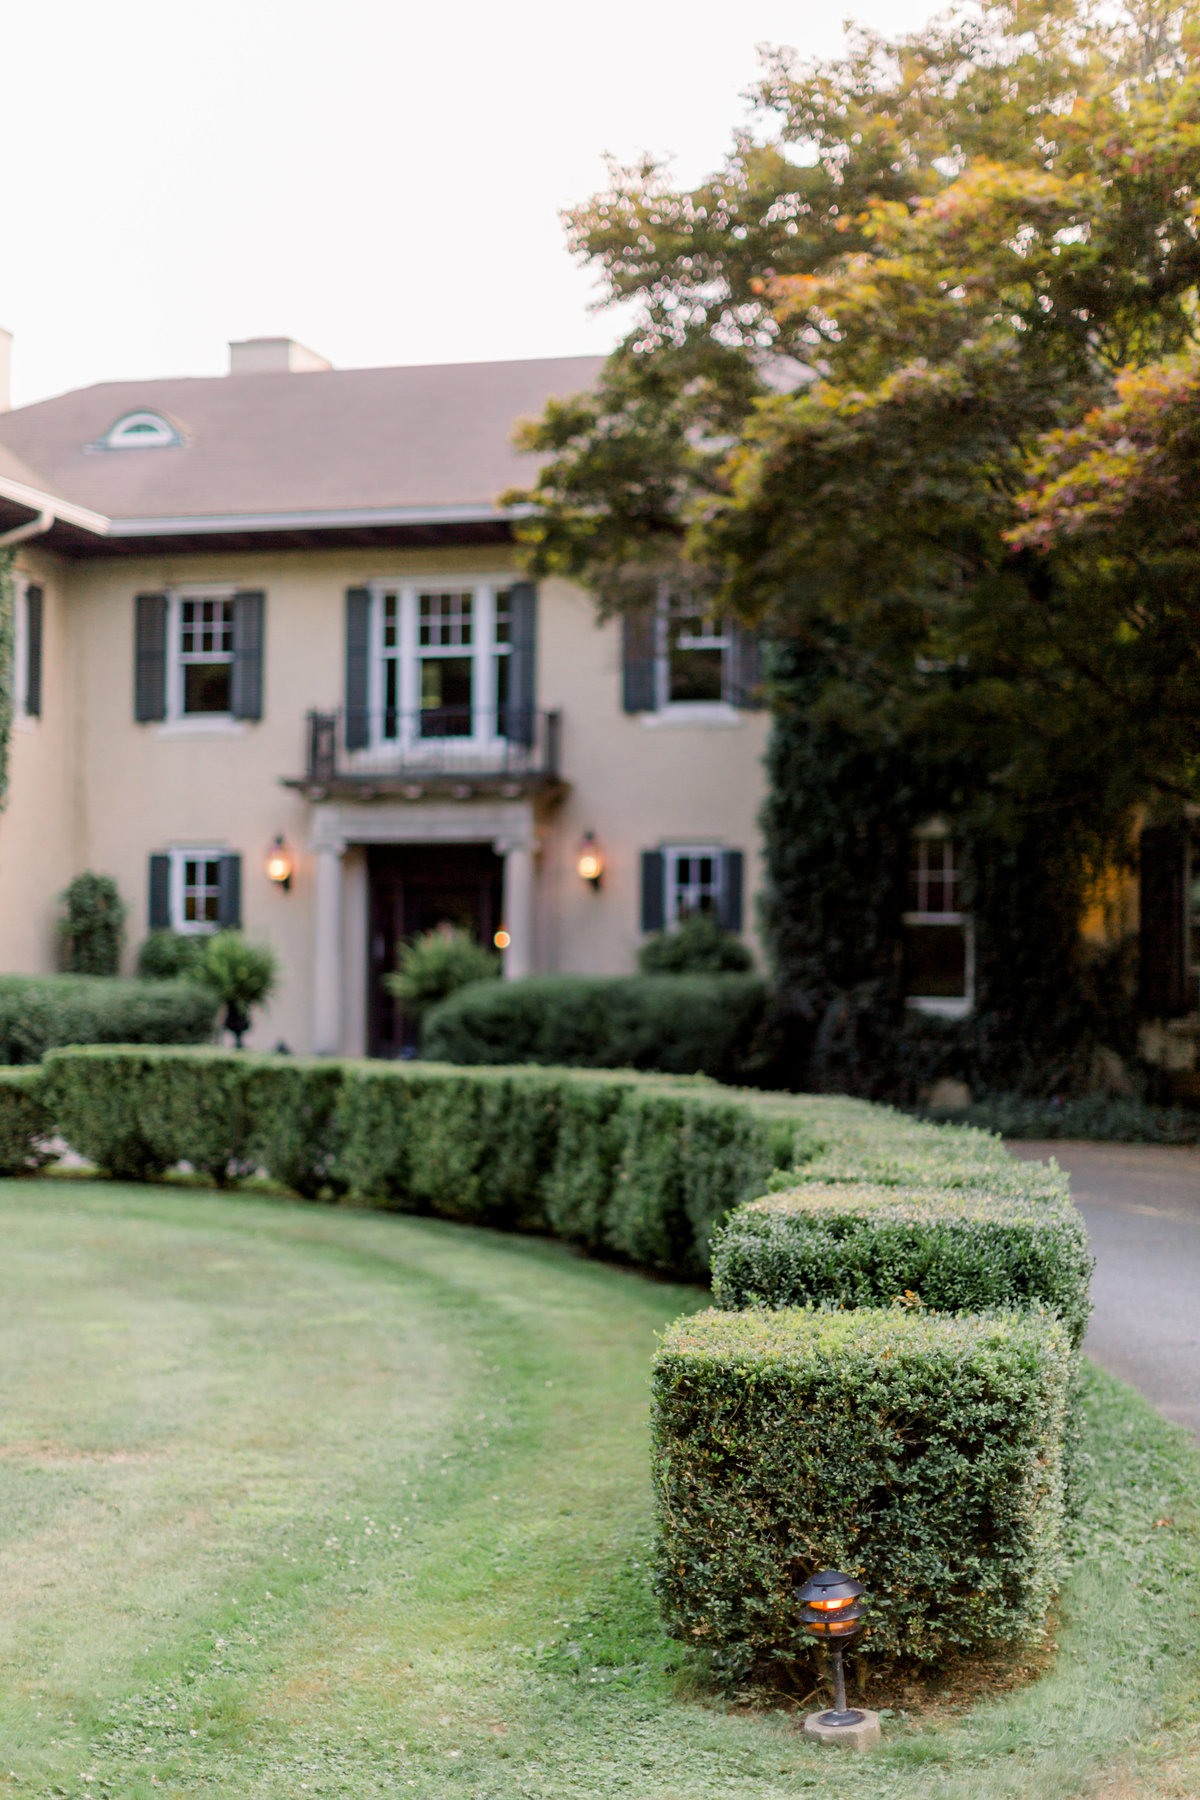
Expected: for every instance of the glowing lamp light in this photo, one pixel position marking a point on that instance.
(279, 865)
(832, 1613)
(590, 861)
(501, 939)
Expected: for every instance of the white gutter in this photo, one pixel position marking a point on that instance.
(344, 518)
(66, 510)
(51, 509)
(32, 528)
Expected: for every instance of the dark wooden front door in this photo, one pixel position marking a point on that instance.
(415, 888)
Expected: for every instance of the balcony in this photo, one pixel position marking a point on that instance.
(444, 751)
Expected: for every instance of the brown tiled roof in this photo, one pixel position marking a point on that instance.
(323, 441)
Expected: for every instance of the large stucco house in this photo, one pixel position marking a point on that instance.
(281, 610)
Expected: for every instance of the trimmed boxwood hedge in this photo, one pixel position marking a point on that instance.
(954, 1250)
(643, 1168)
(40, 1012)
(25, 1122)
(919, 1447)
(677, 1024)
(921, 1452)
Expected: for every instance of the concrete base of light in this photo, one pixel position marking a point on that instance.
(863, 1736)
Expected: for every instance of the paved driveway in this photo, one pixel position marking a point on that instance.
(1142, 1206)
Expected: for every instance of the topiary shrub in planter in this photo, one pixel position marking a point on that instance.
(920, 1453)
(241, 974)
(956, 1250)
(679, 1024)
(25, 1122)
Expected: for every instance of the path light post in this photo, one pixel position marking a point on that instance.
(832, 1613)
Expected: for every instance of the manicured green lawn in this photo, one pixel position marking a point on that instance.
(299, 1501)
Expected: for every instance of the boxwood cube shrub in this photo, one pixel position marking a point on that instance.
(852, 1140)
(25, 1122)
(922, 1453)
(954, 1250)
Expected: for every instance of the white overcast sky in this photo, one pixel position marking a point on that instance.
(381, 181)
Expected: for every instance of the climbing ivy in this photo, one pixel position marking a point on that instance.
(7, 670)
(844, 796)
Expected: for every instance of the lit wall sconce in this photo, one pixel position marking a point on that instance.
(501, 939)
(590, 861)
(279, 865)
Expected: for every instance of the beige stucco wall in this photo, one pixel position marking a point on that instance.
(36, 825)
(118, 790)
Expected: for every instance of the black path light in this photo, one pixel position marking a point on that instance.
(832, 1612)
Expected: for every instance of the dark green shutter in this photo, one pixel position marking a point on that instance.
(654, 890)
(639, 644)
(247, 683)
(745, 675)
(1162, 933)
(33, 652)
(358, 674)
(229, 893)
(150, 658)
(729, 911)
(518, 723)
(159, 911)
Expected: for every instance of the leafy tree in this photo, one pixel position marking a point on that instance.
(901, 372)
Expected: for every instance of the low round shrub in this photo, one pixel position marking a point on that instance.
(42, 1012)
(679, 1024)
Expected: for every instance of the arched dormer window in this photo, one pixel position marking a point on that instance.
(140, 431)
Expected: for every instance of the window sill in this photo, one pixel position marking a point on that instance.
(200, 725)
(706, 715)
(939, 1006)
(23, 721)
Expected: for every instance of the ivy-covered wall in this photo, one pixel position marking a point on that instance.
(7, 671)
(843, 801)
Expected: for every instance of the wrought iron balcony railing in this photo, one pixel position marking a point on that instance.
(440, 745)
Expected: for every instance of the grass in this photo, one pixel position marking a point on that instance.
(297, 1501)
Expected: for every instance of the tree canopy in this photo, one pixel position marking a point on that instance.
(913, 385)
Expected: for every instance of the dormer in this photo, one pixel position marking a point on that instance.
(139, 431)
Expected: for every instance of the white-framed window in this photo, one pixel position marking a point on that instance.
(440, 661)
(200, 628)
(139, 431)
(694, 653)
(199, 657)
(27, 651)
(939, 958)
(195, 888)
(693, 880)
